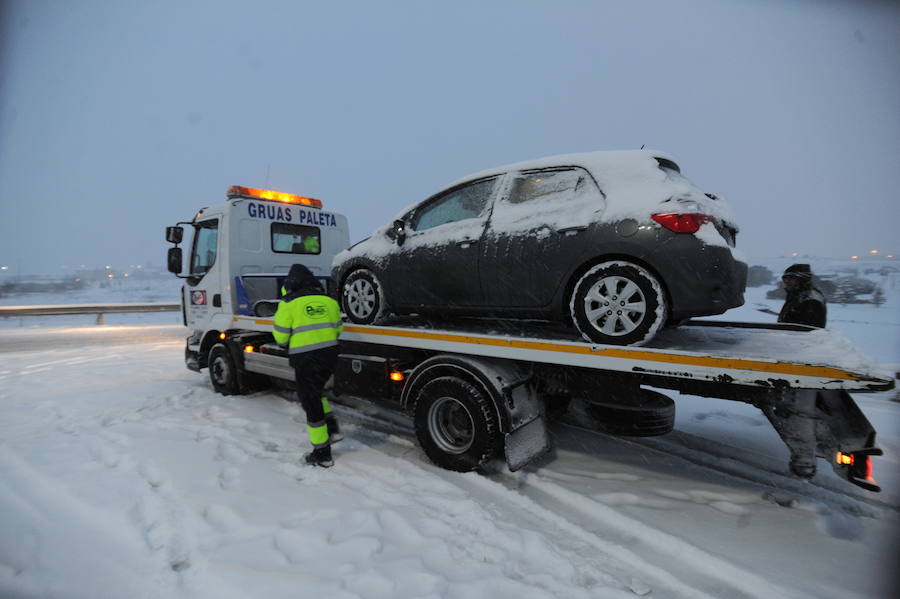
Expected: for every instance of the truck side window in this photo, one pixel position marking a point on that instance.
(296, 239)
(203, 254)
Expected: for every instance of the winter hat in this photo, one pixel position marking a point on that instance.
(300, 277)
(801, 271)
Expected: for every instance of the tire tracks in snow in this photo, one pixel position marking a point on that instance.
(762, 470)
(585, 527)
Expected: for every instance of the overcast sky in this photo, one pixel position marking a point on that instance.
(119, 117)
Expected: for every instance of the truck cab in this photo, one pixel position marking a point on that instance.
(240, 251)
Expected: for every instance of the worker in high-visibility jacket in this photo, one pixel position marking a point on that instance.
(308, 323)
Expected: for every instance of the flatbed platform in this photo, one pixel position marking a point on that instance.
(747, 354)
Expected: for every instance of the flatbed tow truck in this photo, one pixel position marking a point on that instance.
(479, 388)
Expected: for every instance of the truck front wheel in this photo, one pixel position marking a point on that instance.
(222, 370)
(455, 424)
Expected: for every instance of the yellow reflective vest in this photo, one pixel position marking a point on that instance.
(307, 323)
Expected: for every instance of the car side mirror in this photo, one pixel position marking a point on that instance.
(173, 260)
(398, 232)
(174, 234)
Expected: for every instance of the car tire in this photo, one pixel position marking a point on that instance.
(456, 424)
(362, 297)
(648, 415)
(223, 373)
(618, 303)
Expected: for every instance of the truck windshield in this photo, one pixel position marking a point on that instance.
(203, 254)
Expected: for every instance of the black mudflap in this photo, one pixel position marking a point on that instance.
(826, 424)
(526, 443)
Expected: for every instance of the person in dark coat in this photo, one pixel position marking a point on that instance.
(307, 323)
(804, 303)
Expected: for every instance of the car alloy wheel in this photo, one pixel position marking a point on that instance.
(618, 303)
(361, 297)
(615, 305)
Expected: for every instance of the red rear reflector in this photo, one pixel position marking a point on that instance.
(681, 223)
(869, 469)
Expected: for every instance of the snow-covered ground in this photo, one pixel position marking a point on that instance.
(125, 475)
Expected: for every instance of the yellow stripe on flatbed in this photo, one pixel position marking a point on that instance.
(784, 368)
(254, 320)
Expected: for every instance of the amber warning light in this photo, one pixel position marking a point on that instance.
(396, 376)
(845, 459)
(251, 193)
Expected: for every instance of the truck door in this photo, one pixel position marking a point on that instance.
(203, 292)
(437, 265)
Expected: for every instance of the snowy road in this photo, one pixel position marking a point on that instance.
(124, 475)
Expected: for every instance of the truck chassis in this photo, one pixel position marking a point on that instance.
(475, 395)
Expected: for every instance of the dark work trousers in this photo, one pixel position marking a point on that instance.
(311, 370)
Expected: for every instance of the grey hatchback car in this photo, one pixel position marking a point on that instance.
(618, 244)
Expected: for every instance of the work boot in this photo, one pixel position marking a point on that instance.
(320, 456)
(334, 429)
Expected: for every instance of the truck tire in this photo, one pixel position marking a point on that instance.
(618, 303)
(223, 372)
(649, 415)
(362, 297)
(456, 424)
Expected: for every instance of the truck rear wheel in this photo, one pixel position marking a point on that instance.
(455, 424)
(222, 370)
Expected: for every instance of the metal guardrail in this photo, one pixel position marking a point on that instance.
(98, 309)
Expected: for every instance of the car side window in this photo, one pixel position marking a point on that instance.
(548, 185)
(462, 203)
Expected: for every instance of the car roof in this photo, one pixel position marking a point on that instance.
(597, 163)
(632, 181)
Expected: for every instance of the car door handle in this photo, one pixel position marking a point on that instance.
(571, 230)
(467, 243)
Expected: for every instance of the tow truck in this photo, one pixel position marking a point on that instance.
(479, 389)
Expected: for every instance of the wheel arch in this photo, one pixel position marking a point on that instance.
(488, 376)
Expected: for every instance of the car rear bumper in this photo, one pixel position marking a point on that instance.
(702, 280)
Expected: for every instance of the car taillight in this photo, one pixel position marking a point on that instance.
(681, 223)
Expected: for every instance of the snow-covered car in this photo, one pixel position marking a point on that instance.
(618, 243)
